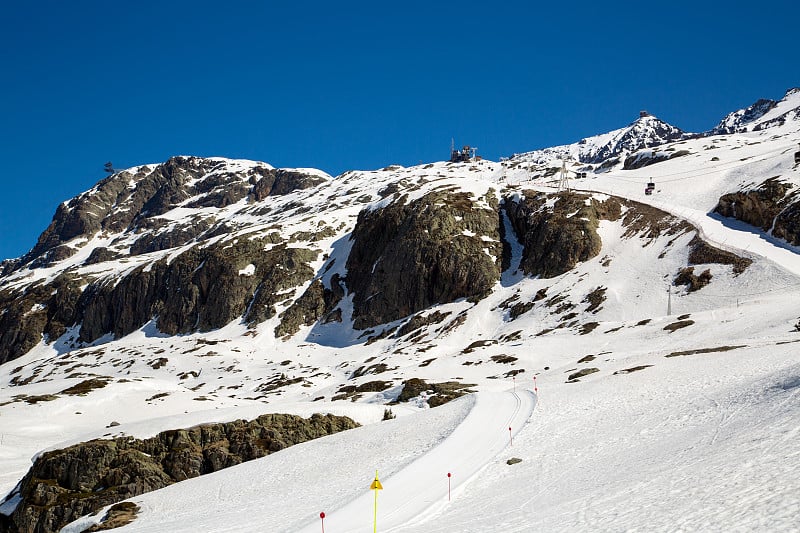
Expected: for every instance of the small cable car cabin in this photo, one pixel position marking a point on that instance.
(650, 188)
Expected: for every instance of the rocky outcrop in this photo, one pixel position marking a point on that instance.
(202, 288)
(316, 303)
(36, 312)
(276, 182)
(761, 115)
(128, 200)
(646, 158)
(773, 206)
(701, 253)
(607, 149)
(199, 290)
(434, 394)
(739, 120)
(693, 282)
(409, 256)
(63, 485)
(558, 231)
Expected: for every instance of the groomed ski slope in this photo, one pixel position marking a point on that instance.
(286, 491)
(419, 491)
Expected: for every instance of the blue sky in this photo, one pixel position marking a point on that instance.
(344, 85)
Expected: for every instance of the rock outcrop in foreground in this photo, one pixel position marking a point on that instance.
(63, 485)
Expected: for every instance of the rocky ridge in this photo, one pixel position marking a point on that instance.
(645, 132)
(763, 114)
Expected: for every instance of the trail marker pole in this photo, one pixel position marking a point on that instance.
(376, 486)
(448, 486)
(510, 436)
(669, 299)
(322, 518)
(535, 388)
(515, 382)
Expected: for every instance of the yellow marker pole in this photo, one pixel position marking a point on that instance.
(376, 486)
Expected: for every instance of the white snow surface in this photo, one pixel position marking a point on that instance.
(696, 429)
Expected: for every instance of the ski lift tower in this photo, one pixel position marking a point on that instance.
(563, 185)
(503, 163)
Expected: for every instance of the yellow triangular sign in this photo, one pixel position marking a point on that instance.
(376, 485)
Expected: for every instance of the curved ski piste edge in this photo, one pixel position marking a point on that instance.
(419, 491)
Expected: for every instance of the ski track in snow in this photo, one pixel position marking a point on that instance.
(417, 492)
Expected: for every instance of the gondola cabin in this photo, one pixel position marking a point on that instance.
(650, 188)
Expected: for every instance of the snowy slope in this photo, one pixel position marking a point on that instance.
(691, 429)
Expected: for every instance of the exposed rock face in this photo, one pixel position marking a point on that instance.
(558, 234)
(128, 202)
(42, 310)
(645, 132)
(409, 256)
(700, 252)
(739, 120)
(692, 282)
(761, 115)
(438, 393)
(316, 303)
(200, 290)
(63, 485)
(772, 206)
(607, 149)
(646, 158)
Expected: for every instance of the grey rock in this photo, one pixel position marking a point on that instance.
(63, 485)
(409, 256)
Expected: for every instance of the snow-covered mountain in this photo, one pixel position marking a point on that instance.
(762, 114)
(629, 348)
(645, 132)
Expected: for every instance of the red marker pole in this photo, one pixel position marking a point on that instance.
(510, 436)
(448, 486)
(322, 519)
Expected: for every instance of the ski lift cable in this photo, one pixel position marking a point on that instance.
(714, 168)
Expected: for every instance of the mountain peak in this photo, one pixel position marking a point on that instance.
(764, 113)
(644, 132)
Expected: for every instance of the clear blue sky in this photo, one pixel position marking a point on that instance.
(344, 85)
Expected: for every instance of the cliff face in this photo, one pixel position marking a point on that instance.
(200, 290)
(63, 485)
(133, 201)
(409, 256)
(206, 283)
(558, 231)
